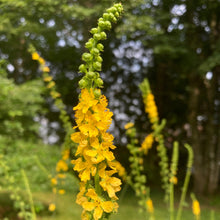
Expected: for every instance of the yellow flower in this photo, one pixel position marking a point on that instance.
(46, 69)
(86, 101)
(55, 94)
(48, 78)
(196, 207)
(41, 61)
(61, 176)
(66, 154)
(150, 207)
(61, 191)
(61, 166)
(52, 207)
(109, 183)
(129, 125)
(147, 143)
(51, 84)
(97, 204)
(174, 180)
(35, 56)
(94, 153)
(151, 108)
(53, 181)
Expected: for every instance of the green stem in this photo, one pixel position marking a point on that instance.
(173, 170)
(186, 181)
(97, 185)
(171, 202)
(27, 186)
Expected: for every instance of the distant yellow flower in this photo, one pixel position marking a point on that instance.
(55, 94)
(35, 56)
(61, 176)
(41, 61)
(129, 125)
(46, 69)
(151, 108)
(61, 166)
(174, 180)
(53, 181)
(48, 78)
(61, 191)
(52, 207)
(196, 207)
(51, 84)
(150, 207)
(66, 154)
(147, 143)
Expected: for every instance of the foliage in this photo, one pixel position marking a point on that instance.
(17, 112)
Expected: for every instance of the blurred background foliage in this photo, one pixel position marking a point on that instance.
(176, 44)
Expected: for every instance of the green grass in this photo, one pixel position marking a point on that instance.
(67, 209)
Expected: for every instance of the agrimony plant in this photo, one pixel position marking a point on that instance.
(95, 161)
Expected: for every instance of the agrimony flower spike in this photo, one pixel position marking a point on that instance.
(151, 110)
(95, 161)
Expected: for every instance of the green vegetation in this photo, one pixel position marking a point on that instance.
(173, 44)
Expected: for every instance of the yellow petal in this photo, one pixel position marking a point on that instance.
(97, 213)
(88, 206)
(107, 206)
(91, 153)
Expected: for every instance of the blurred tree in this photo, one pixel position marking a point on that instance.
(185, 72)
(19, 105)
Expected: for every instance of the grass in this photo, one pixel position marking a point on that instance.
(67, 209)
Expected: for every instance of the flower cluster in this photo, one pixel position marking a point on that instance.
(94, 153)
(196, 208)
(95, 161)
(147, 143)
(92, 59)
(151, 110)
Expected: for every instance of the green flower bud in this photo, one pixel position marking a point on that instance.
(106, 16)
(97, 66)
(112, 10)
(82, 83)
(112, 17)
(97, 93)
(94, 31)
(119, 7)
(103, 35)
(99, 59)
(108, 25)
(99, 82)
(87, 57)
(97, 37)
(100, 47)
(95, 51)
(116, 14)
(89, 45)
(91, 75)
(82, 68)
(101, 24)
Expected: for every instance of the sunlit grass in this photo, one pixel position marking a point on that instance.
(67, 209)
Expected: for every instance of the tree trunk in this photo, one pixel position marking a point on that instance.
(213, 133)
